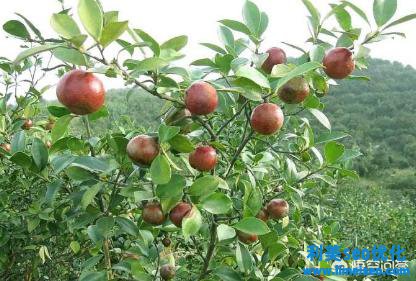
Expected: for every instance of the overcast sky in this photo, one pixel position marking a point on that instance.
(197, 19)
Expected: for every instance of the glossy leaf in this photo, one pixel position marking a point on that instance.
(160, 170)
(91, 16)
(384, 10)
(252, 225)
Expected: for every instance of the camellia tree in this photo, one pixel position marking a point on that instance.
(233, 185)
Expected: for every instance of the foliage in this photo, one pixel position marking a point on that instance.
(75, 210)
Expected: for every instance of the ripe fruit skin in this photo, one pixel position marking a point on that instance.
(179, 212)
(167, 272)
(6, 147)
(201, 98)
(276, 56)
(27, 125)
(166, 242)
(294, 91)
(152, 213)
(81, 92)
(263, 215)
(142, 149)
(267, 119)
(278, 208)
(339, 63)
(246, 238)
(203, 159)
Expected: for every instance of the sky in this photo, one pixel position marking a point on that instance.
(197, 19)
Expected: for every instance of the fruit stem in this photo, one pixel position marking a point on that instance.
(210, 251)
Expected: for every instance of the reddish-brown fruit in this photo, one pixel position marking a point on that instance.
(294, 91)
(201, 98)
(27, 125)
(142, 149)
(246, 238)
(263, 215)
(321, 278)
(167, 272)
(203, 159)
(267, 119)
(6, 147)
(49, 126)
(339, 63)
(81, 92)
(166, 242)
(152, 213)
(278, 208)
(179, 212)
(276, 56)
(48, 144)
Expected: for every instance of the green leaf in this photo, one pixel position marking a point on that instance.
(264, 22)
(89, 195)
(92, 18)
(90, 163)
(32, 223)
(317, 53)
(58, 111)
(31, 26)
(225, 232)
(243, 257)
(236, 25)
(127, 226)
(71, 56)
(384, 10)
(172, 192)
(93, 276)
(227, 274)
(204, 186)
(34, 51)
(330, 136)
(313, 11)
(343, 18)
(166, 133)
(191, 223)
(61, 127)
(160, 170)
(226, 36)
(357, 10)
(253, 75)
(75, 247)
(153, 64)
(217, 203)
(333, 151)
(252, 225)
(65, 26)
(52, 191)
(410, 277)
(101, 113)
(214, 47)
(111, 16)
(39, 153)
(176, 43)
(16, 28)
(401, 20)
(298, 71)
(18, 142)
(112, 32)
(21, 159)
(182, 144)
(152, 43)
(320, 117)
(252, 17)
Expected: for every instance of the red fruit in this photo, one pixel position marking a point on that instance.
(81, 92)
(267, 118)
(339, 63)
(166, 242)
(6, 147)
(278, 208)
(179, 212)
(276, 56)
(167, 272)
(142, 149)
(27, 125)
(263, 215)
(294, 91)
(203, 159)
(152, 213)
(246, 238)
(201, 98)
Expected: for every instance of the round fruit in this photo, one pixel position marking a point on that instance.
(48, 144)
(203, 159)
(276, 56)
(27, 125)
(179, 212)
(179, 117)
(294, 91)
(278, 208)
(263, 215)
(246, 238)
(339, 63)
(142, 149)
(267, 118)
(152, 213)
(81, 92)
(6, 147)
(167, 272)
(166, 242)
(201, 98)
